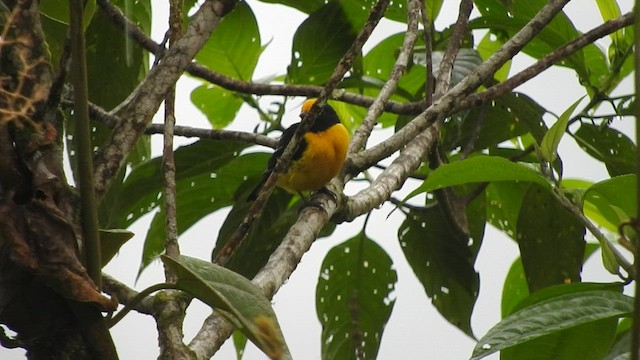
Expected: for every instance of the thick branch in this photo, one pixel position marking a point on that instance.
(138, 109)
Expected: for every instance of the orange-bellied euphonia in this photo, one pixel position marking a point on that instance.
(318, 158)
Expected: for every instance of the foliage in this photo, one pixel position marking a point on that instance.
(497, 163)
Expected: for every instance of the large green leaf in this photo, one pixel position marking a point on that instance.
(504, 21)
(116, 65)
(396, 10)
(141, 192)
(488, 45)
(478, 169)
(486, 126)
(559, 313)
(219, 105)
(379, 62)
(608, 145)
(589, 341)
(551, 240)
(613, 199)
(266, 232)
(234, 47)
(59, 11)
(235, 298)
(442, 259)
(516, 290)
(199, 195)
(319, 44)
(354, 298)
(504, 199)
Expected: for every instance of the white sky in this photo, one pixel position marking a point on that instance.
(415, 330)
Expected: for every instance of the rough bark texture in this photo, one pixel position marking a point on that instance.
(46, 295)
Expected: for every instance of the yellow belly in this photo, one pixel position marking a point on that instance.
(320, 162)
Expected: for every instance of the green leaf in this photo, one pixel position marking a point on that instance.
(142, 189)
(585, 342)
(319, 44)
(550, 142)
(111, 240)
(354, 298)
(433, 9)
(218, 104)
(551, 240)
(240, 343)
(478, 169)
(559, 313)
(234, 48)
(516, 290)
(614, 199)
(199, 195)
(486, 126)
(466, 61)
(504, 199)
(266, 232)
(608, 145)
(59, 11)
(379, 62)
(442, 259)
(487, 47)
(504, 21)
(235, 298)
(609, 10)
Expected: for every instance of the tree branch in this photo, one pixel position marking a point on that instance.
(232, 84)
(447, 104)
(312, 219)
(547, 61)
(377, 107)
(138, 109)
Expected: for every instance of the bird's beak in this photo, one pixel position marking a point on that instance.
(303, 115)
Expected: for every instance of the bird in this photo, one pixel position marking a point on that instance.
(318, 157)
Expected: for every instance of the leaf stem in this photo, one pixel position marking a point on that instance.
(131, 305)
(82, 137)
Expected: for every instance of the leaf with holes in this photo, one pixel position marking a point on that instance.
(234, 48)
(142, 189)
(442, 259)
(551, 240)
(354, 298)
(319, 44)
(608, 145)
(556, 314)
(235, 298)
(200, 192)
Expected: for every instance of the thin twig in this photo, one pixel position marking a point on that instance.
(375, 110)
(171, 247)
(446, 65)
